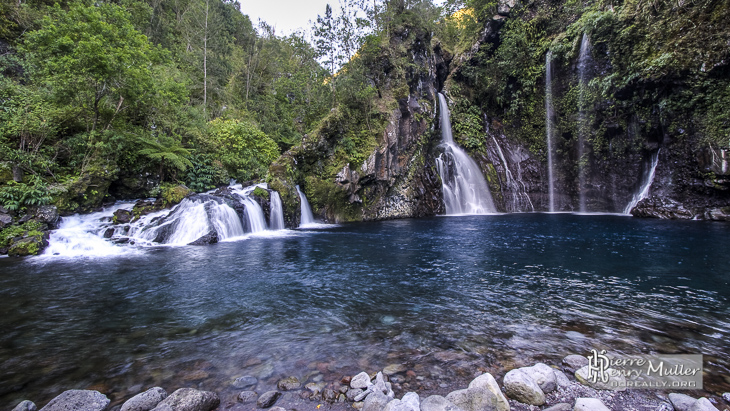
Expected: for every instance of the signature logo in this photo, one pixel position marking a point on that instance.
(598, 366)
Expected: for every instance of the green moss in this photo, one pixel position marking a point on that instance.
(260, 192)
(28, 229)
(172, 195)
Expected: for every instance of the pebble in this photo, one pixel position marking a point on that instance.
(589, 404)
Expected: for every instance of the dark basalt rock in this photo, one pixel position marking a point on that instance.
(210, 238)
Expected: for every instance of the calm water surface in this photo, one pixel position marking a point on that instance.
(446, 296)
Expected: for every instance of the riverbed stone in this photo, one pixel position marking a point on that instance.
(352, 393)
(247, 396)
(561, 379)
(616, 381)
(268, 399)
(474, 399)
(361, 380)
(520, 386)
(5, 220)
(681, 402)
(438, 403)
(563, 406)
(589, 404)
(277, 408)
(26, 406)
(544, 376)
(245, 382)
(189, 399)
(78, 400)
(488, 382)
(376, 401)
(145, 401)
(122, 216)
(575, 362)
(703, 404)
(413, 400)
(47, 214)
(289, 383)
(726, 397)
(394, 369)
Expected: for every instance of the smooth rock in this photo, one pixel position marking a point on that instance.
(376, 402)
(380, 385)
(397, 405)
(726, 396)
(394, 369)
(268, 399)
(488, 382)
(247, 396)
(520, 386)
(616, 381)
(277, 409)
(78, 400)
(189, 399)
(575, 362)
(315, 386)
(5, 220)
(544, 376)
(560, 407)
(589, 404)
(123, 216)
(289, 383)
(352, 393)
(474, 399)
(25, 406)
(245, 382)
(703, 404)
(361, 380)
(681, 402)
(145, 401)
(438, 403)
(561, 379)
(412, 399)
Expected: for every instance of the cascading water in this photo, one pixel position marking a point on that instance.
(307, 217)
(648, 179)
(254, 214)
(584, 63)
(464, 188)
(520, 200)
(276, 216)
(549, 115)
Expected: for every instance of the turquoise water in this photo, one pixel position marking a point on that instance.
(446, 296)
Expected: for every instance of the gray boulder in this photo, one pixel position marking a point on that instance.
(5, 220)
(520, 386)
(26, 406)
(145, 401)
(361, 380)
(616, 381)
(438, 403)
(412, 399)
(488, 382)
(268, 399)
(681, 402)
(703, 404)
(544, 376)
(376, 401)
(575, 362)
(589, 404)
(47, 214)
(189, 399)
(474, 399)
(78, 400)
(561, 379)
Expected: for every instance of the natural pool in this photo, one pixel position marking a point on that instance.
(446, 295)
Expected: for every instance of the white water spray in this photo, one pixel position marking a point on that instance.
(276, 216)
(646, 184)
(307, 217)
(464, 188)
(549, 115)
(584, 62)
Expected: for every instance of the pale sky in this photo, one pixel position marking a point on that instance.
(289, 15)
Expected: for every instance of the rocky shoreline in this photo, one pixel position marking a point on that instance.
(561, 387)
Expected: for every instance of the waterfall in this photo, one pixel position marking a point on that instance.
(254, 214)
(307, 217)
(517, 187)
(549, 115)
(276, 216)
(584, 62)
(464, 188)
(648, 179)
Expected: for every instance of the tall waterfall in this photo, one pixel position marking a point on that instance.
(276, 216)
(584, 62)
(307, 217)
(520, 200)
(647, 180)
(549, 115)
(464, 188)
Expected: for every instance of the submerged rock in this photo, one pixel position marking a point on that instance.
(78, 400)
(247, 396)
(394, 369)
(145, 401)
(245, 381)
(268, 399)
(289, 383)
(189, 399)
